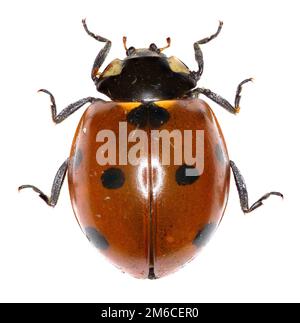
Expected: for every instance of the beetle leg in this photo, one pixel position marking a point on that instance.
(70, 109)
(220, 100)
(56, 186)
(198, 51)
(243, 194)
(101, 55)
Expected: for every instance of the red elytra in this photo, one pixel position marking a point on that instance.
(154, 218)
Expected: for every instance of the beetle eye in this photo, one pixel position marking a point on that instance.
(154, 48)
(130, 51)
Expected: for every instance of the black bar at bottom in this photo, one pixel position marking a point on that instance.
(100, 312)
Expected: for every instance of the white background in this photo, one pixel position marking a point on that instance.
(43, 254)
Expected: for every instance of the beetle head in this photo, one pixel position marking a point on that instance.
(145, 74)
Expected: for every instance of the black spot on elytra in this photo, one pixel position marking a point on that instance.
(96, 238)
(158, 116)
(203, 236)
(148, 114)
(219, 153)
(186, 175)
(77, 158)
(138, 116)
(113, 178)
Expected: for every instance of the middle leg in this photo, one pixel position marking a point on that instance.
(70, 109)
(219, 99)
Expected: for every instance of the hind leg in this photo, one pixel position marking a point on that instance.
(243, 194)
(56, 187)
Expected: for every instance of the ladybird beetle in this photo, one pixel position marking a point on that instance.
(148, 218)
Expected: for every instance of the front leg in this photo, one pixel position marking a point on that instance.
(243, 193)
(100, 58)
(198, 51)
(70, 109)
(219, 99)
